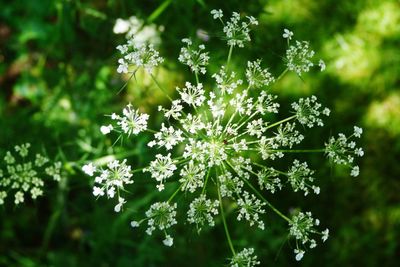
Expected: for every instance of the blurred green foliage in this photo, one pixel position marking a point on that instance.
(58, 79)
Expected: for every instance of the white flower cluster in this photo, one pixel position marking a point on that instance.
(307, 111)
(197, 60)
(26, 176)
(299, 56)
(161, 169)
(134, 26)
(268, 179)
(250, 209)
(236, 30)
(202, 211)
(161, 216)
(139, 55)
(302, 226)
(299, 176)
(131, 122)
(342, 150)
(110, 181)
(256, 76)
(244, 258)
(218, 144)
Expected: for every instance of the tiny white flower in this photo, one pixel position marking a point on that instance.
(106, 129)
(89, 169)
(121, 202)
(299, 254)
(325, 235)
(121, 26)
(287, 34)
(357, 131)
(97, 191)
(355, 171)
(134, 224)
(111, 192)
(217, 14)
(160, 187)
(168, 241)
(19, 197)
(359, 152)
(322, 65)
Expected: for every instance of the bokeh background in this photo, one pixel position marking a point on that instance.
(58, 78)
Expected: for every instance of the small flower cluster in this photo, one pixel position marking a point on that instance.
(308, 113)
(26, 176)
(201, 212)
(302, 226)
(236, 30)
(256, 76)
(299, 176)
(197, 60)
(161, 216)
(342, 150)
(250, 209)
(218, 145)
(244, 258)
(139, 55)
(299, 56)
(131, 122)
(110, 181)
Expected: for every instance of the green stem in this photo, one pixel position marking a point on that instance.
(197, 77)
(161, 88)
(229, 56)
(174, 194)
(228, 236)
(281, 121)
(300, 150)
(205, 183)
(282, 74)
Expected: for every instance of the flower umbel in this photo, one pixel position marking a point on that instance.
(26, 175)
(219, 143)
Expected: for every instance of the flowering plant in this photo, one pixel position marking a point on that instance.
(25, 175)
(219, 143)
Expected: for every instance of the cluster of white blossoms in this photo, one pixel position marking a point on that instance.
(25, 175)
(132, 122)
(110, 182)
(139, 55)
(237, 31)
(299, 56)
(302, 225)
(219, 143)
(244, 258)
(202, 211)
(342, 150)
(197, 60)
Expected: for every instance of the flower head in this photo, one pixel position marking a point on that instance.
(139, 55)
(197, 60)
(244, 258)
(25, 174)
(287, 34)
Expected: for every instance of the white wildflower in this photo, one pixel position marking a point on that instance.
(298, 57)
(106, 129)
(245, 257)
(202, 211)
(89, 169)
(197, 60)
(168, 241)
(161, 168)
(287, 34)
(321, 64)
(217, 14)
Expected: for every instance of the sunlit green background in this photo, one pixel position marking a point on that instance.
(58, 78)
